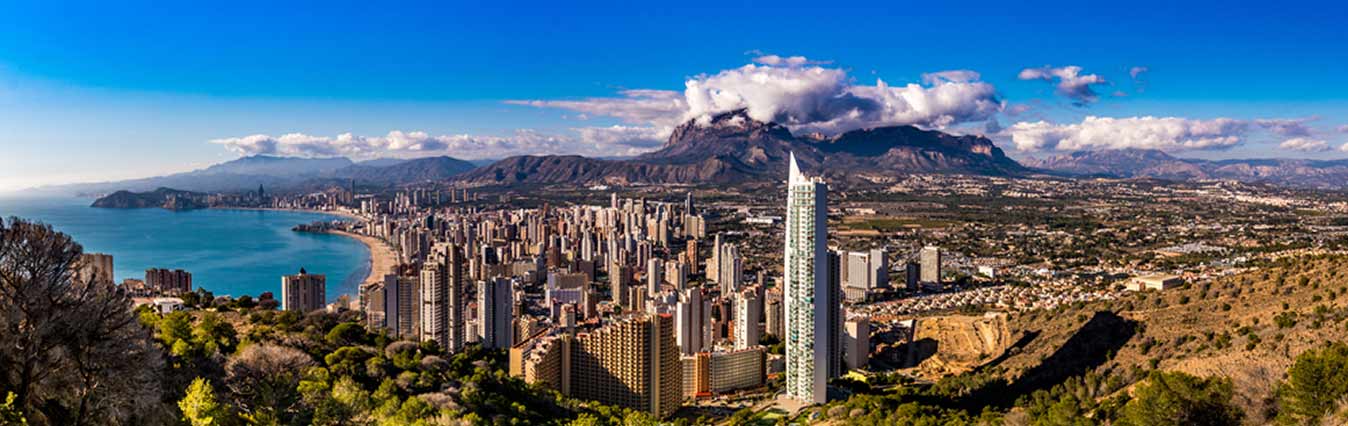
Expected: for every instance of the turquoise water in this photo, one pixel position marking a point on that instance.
(229, 252)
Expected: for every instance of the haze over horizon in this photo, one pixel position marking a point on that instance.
(91, 93)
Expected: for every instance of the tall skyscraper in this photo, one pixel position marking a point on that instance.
(748, 313)
(303, 292)
(688, 320)
(655, 274)
(809, 357)
(730, 273)
(495, 310)
(442, 298)
(393, 305)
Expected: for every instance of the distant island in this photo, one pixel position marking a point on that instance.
(166, 198)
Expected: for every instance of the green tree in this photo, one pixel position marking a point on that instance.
(347, 334)
(1171, 398)
(200, 406)
(1314, 383)
(10, 413)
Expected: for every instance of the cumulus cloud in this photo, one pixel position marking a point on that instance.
(801, 94)
(1304, 145)
(1287, 127)
(591, 141)
(1071, 83)
(1162, 133)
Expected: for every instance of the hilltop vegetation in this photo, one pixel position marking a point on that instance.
(73, 352)
(1265, 346)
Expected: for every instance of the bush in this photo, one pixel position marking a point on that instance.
(1174, 398)
(1314, 382)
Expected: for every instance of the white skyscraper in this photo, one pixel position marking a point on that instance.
(748, 313)
(689, 322)
(809, 357)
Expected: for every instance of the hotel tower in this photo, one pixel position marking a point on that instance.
(808, 296)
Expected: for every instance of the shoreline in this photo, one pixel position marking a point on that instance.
(344, 214)
(382, 258)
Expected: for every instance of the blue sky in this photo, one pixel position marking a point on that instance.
(91, 92)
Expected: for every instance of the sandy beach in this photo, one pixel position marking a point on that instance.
(382, 257)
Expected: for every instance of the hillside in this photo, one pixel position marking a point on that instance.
(167, 198)
(284, 174)
(1247, 327)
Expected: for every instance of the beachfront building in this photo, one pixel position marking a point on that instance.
(303, 292)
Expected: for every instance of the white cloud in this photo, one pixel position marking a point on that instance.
(1304, 145)
(1134, 72)
(1162, 133)
(954, 76)
(1287, 127)
(658, 107)
(1071, 83)
(590, 141)
(798, 93)
(788, 61)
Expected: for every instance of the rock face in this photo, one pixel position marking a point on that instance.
(1139, 163)
(731, 148)
(167, 198)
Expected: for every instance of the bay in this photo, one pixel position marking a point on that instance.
(228, 252)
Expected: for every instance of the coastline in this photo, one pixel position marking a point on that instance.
(344, 214)
(382, 258)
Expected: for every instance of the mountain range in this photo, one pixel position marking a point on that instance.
(279, 174)
(1145, 163)
(734, 148)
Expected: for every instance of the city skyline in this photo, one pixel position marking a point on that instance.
(90, 94)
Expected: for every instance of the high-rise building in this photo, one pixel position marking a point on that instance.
(748, 313)
(495, 310)
(912, 275)
(96, 267)
(688, 319)
(303, 292)
(857, 342)
(632, 363)
(655, 273)
(865, 271)
(730, 269)
(774, 313)
(442, 298)
(809, 357)
(166, 281)
(930, 256)
(393, 305)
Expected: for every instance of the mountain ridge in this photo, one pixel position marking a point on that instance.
(1149, 163)
(731, 147)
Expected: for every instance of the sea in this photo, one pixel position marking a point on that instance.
(228, 252)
